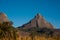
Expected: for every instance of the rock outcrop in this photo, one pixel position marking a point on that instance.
(38, 21)
(3, 17)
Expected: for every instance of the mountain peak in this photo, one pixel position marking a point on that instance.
(38, 15)
(38, 21)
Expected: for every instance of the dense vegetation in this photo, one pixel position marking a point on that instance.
(7, 31)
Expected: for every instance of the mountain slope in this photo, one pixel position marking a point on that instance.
(37, 21)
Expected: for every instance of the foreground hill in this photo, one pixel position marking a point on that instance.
(7, 31)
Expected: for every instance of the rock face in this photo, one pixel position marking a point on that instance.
(3, 17)
(37, 21)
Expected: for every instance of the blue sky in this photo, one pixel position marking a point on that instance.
(22, 11)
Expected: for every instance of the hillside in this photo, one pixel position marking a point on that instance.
(38, 21)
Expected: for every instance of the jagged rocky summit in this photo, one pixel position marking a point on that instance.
(37, 21)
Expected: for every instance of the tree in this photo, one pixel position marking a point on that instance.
(6, 28)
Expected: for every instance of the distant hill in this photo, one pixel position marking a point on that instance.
(38, 21)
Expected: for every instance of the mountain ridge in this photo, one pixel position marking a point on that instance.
(38, 21)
